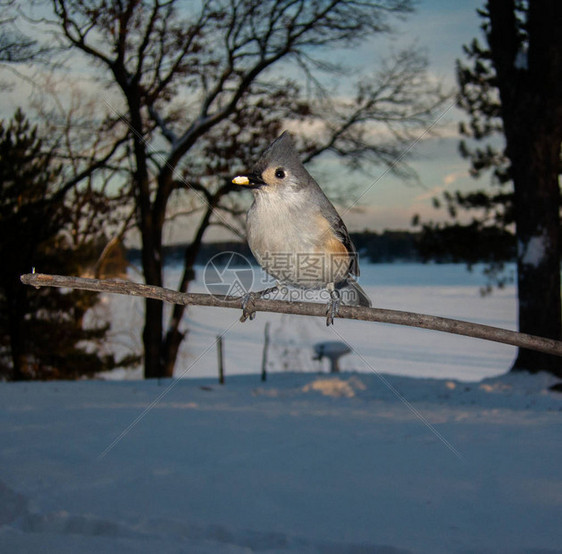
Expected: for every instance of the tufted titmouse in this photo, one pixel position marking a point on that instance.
(295, 232)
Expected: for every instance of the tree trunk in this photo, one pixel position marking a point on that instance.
(174, 336)
(151, 235)
(537, 200)
(530, 85)
(154, 309)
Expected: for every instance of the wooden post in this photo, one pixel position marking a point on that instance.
(264, 354)
(220, 359)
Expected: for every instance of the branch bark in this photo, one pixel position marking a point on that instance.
(395, 317)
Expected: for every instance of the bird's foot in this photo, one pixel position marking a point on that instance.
(248, 309)
(248, 302)
(333, 307)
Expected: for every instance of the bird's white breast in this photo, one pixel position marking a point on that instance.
(287, 241)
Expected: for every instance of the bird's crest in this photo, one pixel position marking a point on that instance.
(281, 152)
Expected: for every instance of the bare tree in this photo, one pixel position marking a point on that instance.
(15, 46)
(91, 148)
(200, 99)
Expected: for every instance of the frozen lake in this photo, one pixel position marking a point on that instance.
(448, 290)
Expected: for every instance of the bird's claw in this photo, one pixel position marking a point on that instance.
(249, 300)
(248, 307)
(333, 307)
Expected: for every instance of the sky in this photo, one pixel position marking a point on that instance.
(439, 28)
(384, 201)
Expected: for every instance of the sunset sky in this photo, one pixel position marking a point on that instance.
(440, 28)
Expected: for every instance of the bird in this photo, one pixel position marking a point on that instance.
(295, 232)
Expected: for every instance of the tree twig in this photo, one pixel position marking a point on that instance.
(424, 321)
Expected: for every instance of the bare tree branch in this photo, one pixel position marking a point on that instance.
(395, 317)
(94, 165)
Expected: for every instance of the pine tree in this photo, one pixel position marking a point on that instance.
(42, 332)
(513, 87)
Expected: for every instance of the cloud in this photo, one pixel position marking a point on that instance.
(429, 194)
(451, 178)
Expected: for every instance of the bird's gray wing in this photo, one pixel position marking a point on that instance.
(342, 233)
(338, 226)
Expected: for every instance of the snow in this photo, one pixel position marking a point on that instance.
(532, 253)
(446, 290)
(303, 463)
(522, 60)
(425, 445)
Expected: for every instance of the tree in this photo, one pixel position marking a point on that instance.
(514, 88)
(15, 46)
(42, 334)
(201, 99)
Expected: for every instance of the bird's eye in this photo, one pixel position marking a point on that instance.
(280, 173)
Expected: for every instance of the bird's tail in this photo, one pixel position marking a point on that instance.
(354, 295)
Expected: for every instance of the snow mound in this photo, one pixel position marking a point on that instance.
(336, 387)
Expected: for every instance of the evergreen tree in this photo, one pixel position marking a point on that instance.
(42, 332)
(513, 87)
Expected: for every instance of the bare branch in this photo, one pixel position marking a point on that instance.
(146, 40)
(88, 171)
(166, 131)
(236, 232)
(75, 34)
(395, 317)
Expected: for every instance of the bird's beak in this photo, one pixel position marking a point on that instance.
(250, 180)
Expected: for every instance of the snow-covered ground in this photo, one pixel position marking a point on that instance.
(382, 460)
(304, 463)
